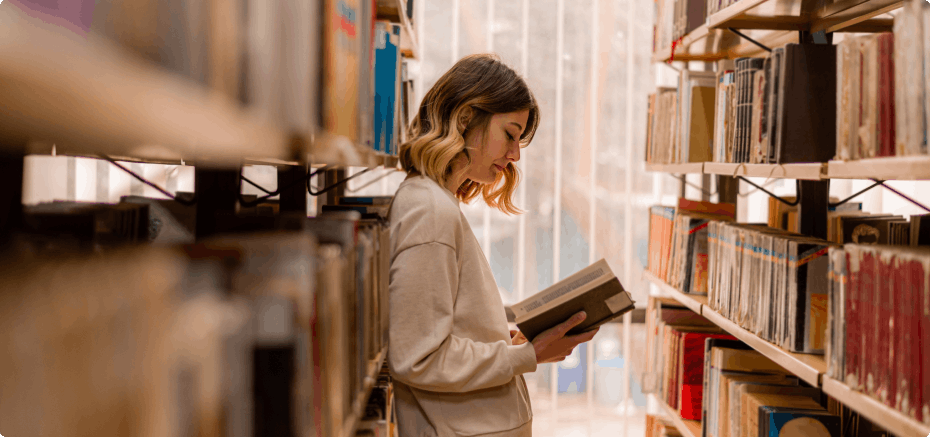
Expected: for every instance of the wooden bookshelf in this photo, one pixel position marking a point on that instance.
(361, 399)
(877, 412)
(693, 302)
(89, 97)
(807, 367)
(812, 171)
(685, 168)
(890, 168)
(687, 428)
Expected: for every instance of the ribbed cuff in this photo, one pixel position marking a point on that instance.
(522, 358)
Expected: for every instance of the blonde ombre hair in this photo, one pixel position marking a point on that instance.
(469, 94)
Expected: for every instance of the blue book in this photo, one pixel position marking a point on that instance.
(786, 421)
(387, 75)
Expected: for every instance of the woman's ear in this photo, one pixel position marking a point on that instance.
(463, 119)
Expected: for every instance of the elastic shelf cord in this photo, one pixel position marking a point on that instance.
(271, 194)
(333, 186)
(182, 201)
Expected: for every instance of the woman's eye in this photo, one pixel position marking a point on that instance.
(510, 137)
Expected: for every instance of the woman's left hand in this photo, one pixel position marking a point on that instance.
(517, 337)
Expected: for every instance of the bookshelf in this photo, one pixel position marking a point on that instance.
(396, 11)
(809, 368)
(82, 95)
(135, 110)
(687, 428)
(774, 23)
(877, 412)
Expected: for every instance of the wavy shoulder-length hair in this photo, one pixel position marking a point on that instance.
(473, 90)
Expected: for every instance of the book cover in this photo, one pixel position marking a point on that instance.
(387, 76)
(808, 275)
(594, 289)
(780, 421)
(692, 372)
(753, 402)
(807, 104)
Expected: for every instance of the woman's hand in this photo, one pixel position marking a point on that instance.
(553, 346)
(517, 338)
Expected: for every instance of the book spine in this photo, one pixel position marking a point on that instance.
(921, 278)
(868, 337)
(853, 343)
(885, 322)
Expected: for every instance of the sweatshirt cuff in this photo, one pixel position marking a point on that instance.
(522, 358)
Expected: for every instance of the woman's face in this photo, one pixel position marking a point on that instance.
(492, 150)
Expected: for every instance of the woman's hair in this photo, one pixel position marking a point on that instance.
(474, 89)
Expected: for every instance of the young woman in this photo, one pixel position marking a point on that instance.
(457, 368)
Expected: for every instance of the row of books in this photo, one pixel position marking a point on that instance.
(706, 375)
(879, 324)
(326, 64)
(847, 223)
(882, 95)
(867, 96)
(678, 242)
(265, 334)
(714, 6)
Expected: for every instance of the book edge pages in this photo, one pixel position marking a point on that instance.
(522, 315)
(564, 298)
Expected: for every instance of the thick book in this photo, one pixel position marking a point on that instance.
(807, 104)
(594, 290)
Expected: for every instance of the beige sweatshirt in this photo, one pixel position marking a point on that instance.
(456, 372)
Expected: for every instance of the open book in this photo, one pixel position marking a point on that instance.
(594, 290)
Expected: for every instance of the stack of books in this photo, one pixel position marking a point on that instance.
(879, 330)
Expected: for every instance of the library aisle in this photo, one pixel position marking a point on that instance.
(195, 234)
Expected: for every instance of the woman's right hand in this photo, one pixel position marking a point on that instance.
(553, 346)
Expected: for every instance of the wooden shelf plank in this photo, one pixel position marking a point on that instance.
(722, 18)
(358, 407)
(890, 168)
(685, 168)
(807, 367)
(693, 302)
(841, 15)
(877, 412)
(687, 428)
(775, 171)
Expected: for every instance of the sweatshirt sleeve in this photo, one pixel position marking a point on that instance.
(423, 353)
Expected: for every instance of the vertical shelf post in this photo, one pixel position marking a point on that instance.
(330, 178)
(727, 189)
(293, 200)
(217, 192)
(11, 197)
(814, 202)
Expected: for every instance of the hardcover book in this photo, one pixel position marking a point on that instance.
(594, 290)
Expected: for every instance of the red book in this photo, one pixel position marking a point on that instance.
(692, 372)
(884, 323)
(868, 312)
(906, 336)
(922, 285)
(885, 119)
(853, 341)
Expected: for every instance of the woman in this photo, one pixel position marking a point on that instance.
(457, 369)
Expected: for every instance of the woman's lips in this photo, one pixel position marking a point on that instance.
(499, 168)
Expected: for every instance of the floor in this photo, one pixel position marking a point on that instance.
(573, 417)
